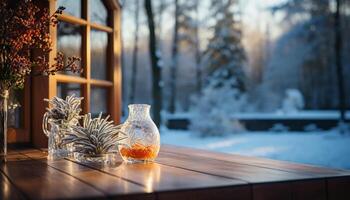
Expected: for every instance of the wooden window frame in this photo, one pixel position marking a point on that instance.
(46, 87)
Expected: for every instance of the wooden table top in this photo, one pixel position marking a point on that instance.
(178, 173)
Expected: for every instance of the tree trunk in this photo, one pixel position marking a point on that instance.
(156, 70)
(198, 54)
(159, 23)
(134, 56)
(174, 54)
(338, 62)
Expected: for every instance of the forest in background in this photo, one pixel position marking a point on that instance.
(214, 59)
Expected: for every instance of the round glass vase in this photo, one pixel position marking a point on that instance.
(143, 140)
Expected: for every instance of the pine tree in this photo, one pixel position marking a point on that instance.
(225, 56)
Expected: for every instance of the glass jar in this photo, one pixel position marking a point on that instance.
(143, 140)
(4, 95)
(55, 133)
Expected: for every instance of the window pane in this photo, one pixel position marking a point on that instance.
(98, 101)
(98, 12)
(68, 89)
(69, 41)
(99, 40)
(73, 7)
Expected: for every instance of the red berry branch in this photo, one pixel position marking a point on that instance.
(24, 29)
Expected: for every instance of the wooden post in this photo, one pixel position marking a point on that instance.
(42, 87)
(338, 62)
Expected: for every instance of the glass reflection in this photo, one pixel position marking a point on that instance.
(98, 12)
(73, 7)
(153, 176)
(68, 89)
(99, 40)
(69, 41)
(16, 109)
(148, 173)
(98, 101)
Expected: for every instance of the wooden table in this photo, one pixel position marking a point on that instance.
(179, 173)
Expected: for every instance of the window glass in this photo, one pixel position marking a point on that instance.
(99, 40)
(68, 89)
(98, 101)
(72, 7)
(98, 12)
(69, 41)
(16, 109)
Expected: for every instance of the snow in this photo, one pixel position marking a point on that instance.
(326, 148)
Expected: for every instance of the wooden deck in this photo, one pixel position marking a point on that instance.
(179, 173)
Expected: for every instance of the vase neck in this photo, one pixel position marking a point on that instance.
(139, 111)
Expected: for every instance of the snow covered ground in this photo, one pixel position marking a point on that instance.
(327, 148)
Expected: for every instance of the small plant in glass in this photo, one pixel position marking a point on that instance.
(96, 141)
(58, 122)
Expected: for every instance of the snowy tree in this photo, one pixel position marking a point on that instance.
(224, 58)
(211, 115)
(304, 56)
(293, 101)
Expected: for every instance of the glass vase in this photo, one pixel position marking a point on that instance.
(4, 95)
(55, 133)
(143, 140)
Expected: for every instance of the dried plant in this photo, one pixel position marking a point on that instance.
(64, 112)
(97, 136)
(24, 28)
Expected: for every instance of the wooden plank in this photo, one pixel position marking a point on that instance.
(111, 185)
(102, 83)
(114, 63)
(86, 58)
(272, 191)
(311, 189)
(223, 193)
(72, 19)
(314, 171)
(175, 176)
(101, 27)
(8, 191)
(153, 177)
(338, 188)
(37, 180)
(248, 173)
(156, 177)
(63, 78)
